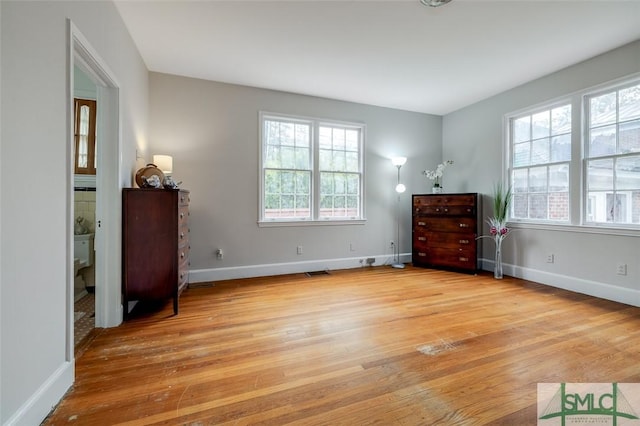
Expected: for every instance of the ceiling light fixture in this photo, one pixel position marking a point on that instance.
(434, 3)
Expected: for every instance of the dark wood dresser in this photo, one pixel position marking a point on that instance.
(445, 228)
(155, 244)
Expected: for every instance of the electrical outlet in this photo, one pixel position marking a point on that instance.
(371, 261)
(219, 254)
(299, 249)
(392, 244)
(621, 269)
(550, 258)
(352, 247)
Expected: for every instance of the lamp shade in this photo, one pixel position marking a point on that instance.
(398, 161)
(164, 163)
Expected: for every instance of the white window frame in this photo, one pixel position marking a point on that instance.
(509, 119)
(623, 194)
(578, 197)
(315, 124)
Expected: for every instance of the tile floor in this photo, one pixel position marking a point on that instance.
(84, 318)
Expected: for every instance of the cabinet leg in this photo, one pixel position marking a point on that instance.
(175, 305)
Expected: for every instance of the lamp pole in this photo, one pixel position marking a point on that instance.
(400, 188)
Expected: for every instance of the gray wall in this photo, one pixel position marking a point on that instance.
(34, 172)
(584, 261)
(211, 129)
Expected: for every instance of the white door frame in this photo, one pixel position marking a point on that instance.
(108, 182)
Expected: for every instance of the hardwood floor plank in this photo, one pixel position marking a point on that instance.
(367, 346)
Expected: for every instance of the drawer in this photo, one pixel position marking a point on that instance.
(183, 198)
(443, 239)
(445, 200)
(464, 225)
(183, 254)
(183, 235)
(183, 216)
(445, 257)
(444, 210)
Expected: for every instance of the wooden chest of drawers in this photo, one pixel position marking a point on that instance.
(155, 244)
(445, 227)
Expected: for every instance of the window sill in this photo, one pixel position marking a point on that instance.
(586, 229)
(282, 223)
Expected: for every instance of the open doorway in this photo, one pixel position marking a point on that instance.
(107, 222)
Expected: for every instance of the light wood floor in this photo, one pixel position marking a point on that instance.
(367, 346)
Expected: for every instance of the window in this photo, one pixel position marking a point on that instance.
(311, 170)
(552, 162)
(85, 136)
(612, 149)
(541, 155)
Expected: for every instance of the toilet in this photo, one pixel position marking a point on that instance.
(83, 255)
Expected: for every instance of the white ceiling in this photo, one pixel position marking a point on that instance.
(397, 54)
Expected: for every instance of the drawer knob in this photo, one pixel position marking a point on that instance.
(464, 241)
(181, 235)
(437, 209)
(182, 199)
(464, 259)
(446, 210)
(181, 215)
(422, 238)
(422, 223)
(421, 254)
(464, 225)
(182, 255)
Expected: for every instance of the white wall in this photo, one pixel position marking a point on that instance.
(584, 262)
(211, 129)
(35, 371)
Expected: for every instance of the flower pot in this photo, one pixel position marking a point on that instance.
(437, 190)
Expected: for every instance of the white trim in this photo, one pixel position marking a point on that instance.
(253, 271)
(601, 290)
(277, 223)
(108, 199)
(40, 404)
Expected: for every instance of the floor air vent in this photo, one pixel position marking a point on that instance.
(313, 273)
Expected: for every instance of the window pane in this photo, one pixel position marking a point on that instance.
(288, 157)
(602, 109)
(521, 154)
(302, 158)
(272, 157)
(600, 175)
(325, 138)
(630, 103)
(540, 151)
(520, 180)
(302, 135)
(559, 178)
(561, 120)
(353, 140)
(353, 164)
(561, 148)
(520, 206)
(353, 184)
(338, 139)
(602, 141)
(538, 179)
(339, 161)
(326, 160)
(559, 206)
(629, 137)
(522, 129)
(541, 125)
(628, 174)
(538, 206)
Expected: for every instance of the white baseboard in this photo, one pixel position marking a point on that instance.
(40, 404)
(579, 285)
(252, 271)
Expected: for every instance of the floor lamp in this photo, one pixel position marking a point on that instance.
(400, 188)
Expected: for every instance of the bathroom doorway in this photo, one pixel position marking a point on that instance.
(107, 222)
(85, 189)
